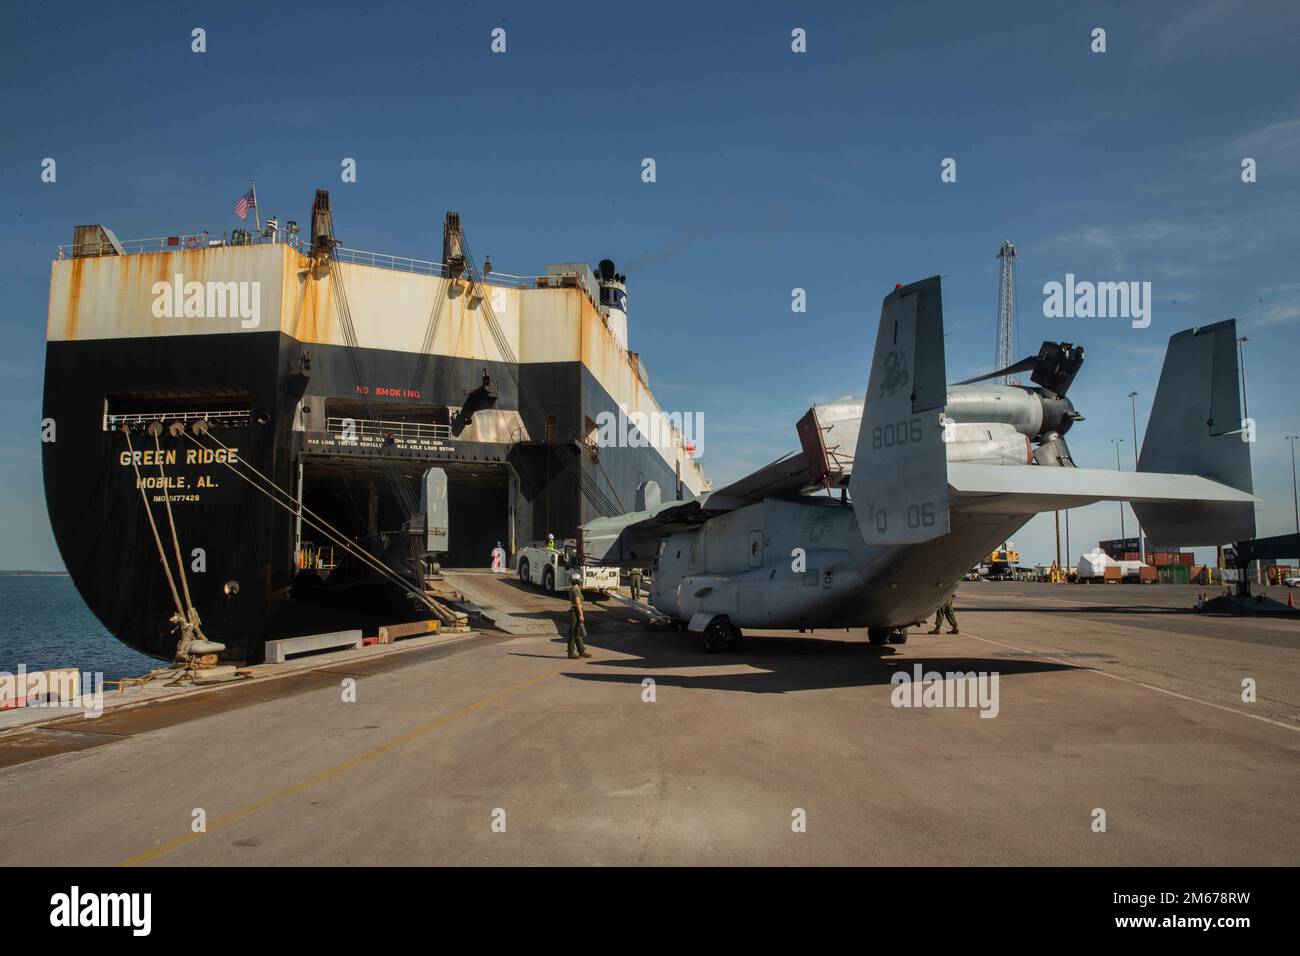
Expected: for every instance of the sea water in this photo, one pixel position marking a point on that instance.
(44, 624)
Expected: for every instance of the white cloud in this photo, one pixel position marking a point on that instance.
(1276, 304)
(1282, 138)
(1199, 30)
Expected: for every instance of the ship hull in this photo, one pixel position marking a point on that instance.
(237, 539)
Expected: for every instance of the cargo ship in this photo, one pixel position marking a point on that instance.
(269, 434)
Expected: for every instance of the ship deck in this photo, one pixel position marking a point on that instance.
(1112, 697)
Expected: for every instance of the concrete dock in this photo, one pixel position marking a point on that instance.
(494, 748)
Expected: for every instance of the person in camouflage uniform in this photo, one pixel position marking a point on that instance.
(945, 611)
(577, 623)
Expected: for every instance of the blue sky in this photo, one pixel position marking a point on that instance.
(775, 170)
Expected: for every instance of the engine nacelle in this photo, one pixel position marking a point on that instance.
(1037, 415)
(992, 443)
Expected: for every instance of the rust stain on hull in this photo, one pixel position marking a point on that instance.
(109, 297)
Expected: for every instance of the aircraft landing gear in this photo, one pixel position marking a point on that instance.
(880, 636)
(720, 635)
(732, 642)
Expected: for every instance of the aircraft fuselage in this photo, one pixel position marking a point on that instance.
(803, 564)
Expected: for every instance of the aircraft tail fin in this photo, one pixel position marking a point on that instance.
(1196, 428)
(899, 482)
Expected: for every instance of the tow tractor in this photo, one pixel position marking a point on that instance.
(556, 570)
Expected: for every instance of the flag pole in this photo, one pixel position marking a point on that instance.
(257, 212)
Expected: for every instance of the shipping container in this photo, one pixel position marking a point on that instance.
(1116, 547)
(1174, 574)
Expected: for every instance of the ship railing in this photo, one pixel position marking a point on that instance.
(295, 241)
(356, 428)
(362, 257)
(382, 260)
(139, 420)
(181, 242)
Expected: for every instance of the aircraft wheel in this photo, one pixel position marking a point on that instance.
(732, 641)
(523, 570)
(714, 636)
(898, 636)
(878, 636)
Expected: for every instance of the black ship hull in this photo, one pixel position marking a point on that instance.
(273, 406)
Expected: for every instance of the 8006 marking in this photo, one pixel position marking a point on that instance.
(903, 433)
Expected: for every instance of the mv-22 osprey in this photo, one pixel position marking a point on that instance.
(940, 475)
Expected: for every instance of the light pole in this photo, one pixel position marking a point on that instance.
(1058, 547)
(1241, 362)
(1142, 548)
(1295, 501)
(1245, 404)
(1117, 442)
(1068, 552)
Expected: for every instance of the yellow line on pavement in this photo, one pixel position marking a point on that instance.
(176, 842)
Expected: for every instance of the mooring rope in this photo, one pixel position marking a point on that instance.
(162, 554)
(191, 615)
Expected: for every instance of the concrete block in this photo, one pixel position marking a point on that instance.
(277, 652)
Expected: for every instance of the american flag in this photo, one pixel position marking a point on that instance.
(246, 202)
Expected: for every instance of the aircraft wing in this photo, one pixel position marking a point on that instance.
(633, 538)
(1193, 484)
(784, 477)
(1201, 511)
